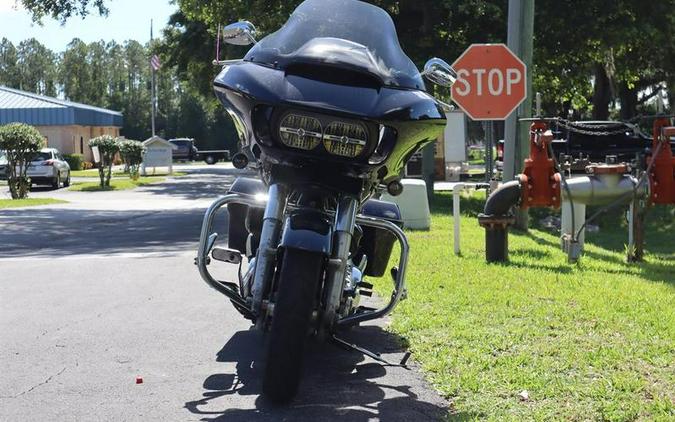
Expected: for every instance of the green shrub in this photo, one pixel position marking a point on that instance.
(20, 142)
(132, 154)
(75, 161)
(107, 146)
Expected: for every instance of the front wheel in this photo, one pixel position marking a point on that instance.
(210, 160)
(300, 275)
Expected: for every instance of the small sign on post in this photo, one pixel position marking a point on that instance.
(158, 153)
(97, 155)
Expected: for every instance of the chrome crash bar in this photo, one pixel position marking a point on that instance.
(208, 239)
(399, 281)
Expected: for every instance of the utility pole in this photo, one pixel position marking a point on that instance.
(153, 86)
(520, 40)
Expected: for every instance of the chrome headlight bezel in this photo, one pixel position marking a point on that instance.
(339, 137)
(300, 131)
(345, 139)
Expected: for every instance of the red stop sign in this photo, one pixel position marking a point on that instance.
(491, 81)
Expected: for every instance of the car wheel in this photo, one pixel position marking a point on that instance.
(66, 182)
(210, 159)
(56, 183)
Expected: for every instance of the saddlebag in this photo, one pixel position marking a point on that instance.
(377, 243)
(243, 220)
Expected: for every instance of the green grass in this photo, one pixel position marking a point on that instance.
(116, 184)
(592, 341)
(28, 202)
(94, 173)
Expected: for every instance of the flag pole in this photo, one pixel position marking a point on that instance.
(153, 93)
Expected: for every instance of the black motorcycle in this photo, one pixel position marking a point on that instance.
(328, 110)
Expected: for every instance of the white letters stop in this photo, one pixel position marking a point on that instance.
(495, 80)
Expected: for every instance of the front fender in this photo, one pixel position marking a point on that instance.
(307, 230)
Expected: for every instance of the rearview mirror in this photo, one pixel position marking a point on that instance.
(239, 33)
(439, 72)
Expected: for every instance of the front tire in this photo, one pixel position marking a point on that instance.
(295, 297)
(66, 182)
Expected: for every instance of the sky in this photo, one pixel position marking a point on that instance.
(128, 19)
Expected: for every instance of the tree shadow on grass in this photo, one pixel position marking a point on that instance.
(337, 384)
(648, 269)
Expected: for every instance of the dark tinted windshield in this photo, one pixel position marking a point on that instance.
(341, 33)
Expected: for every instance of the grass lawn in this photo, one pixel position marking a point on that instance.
(116, 184)
(591, 341)
(94, 173)
(28, 202)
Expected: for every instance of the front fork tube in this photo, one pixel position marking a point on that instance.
(269, 239)
(345, 219)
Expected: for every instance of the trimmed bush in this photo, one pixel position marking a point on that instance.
(132, 154)
(108, 146)
(75, 161)
(21, 142)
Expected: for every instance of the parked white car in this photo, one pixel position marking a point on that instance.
(3, 165)
(49, 168)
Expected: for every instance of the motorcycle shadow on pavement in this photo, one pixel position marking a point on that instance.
(337, 383)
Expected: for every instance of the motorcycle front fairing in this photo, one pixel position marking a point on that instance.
(337, 58)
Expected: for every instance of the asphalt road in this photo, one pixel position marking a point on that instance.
(103, 289)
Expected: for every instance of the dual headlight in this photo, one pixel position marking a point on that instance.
(338, 137)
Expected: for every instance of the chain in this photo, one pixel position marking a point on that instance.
(592, 130)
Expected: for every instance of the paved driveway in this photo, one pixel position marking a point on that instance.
(98, 291)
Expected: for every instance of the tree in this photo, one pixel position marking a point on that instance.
(10, 75)
(63, 9)
(20, 142)
(132, 154)
(75, 72)
(37, 67)
(107, 146)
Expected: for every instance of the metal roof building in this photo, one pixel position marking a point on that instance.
(39, 110)
(66, 125)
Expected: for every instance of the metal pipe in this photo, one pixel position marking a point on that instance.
(501, 200)
(497, 218)
(599, 189)
(399, 282)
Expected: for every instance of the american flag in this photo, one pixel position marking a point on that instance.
(154, 63)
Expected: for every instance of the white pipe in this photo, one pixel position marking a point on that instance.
(456, 190)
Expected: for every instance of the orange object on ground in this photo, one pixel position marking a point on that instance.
(540, 182)
(662, 174)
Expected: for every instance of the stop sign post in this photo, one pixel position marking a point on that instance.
(491, 81)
